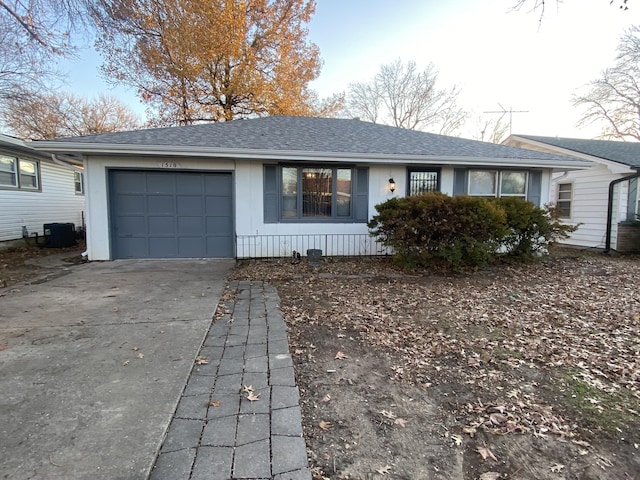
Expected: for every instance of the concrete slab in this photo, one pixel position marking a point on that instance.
(94, 362)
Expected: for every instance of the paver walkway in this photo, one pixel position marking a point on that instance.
(217, 431)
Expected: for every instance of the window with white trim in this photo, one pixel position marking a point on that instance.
(78, 180)
(19, 173)
(565, 198)
(498, 183)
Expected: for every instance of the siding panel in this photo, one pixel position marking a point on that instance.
(589, 205)
(57, 202)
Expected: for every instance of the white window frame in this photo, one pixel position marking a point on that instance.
(13, 172)
(78, 181)
(35, 175)
(498, 175)
(17, 172)
(565, 200)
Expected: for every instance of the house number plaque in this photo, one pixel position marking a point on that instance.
(169, 165)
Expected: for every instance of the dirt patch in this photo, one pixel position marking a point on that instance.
(514, 372)
(16, 262)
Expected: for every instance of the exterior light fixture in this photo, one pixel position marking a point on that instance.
(392, 185)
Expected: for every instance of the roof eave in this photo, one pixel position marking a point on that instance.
(615, 165)
(86, 149)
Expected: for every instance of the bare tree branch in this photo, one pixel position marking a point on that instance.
(43, 116)
(613, 100)
(404, 97)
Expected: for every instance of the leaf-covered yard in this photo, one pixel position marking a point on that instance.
(516, 371)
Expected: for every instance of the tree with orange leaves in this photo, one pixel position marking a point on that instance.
(212, 60)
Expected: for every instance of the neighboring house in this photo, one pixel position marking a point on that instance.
(266, 187)
(35, 190)
(583, 196)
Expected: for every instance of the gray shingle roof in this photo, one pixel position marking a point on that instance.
(307, 134)
(627, 153)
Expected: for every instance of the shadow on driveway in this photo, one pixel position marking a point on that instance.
(92, 365)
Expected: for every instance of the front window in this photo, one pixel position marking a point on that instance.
(423, 181)
(496, 183)
(316, 193)
(565, 195)
(483, 183)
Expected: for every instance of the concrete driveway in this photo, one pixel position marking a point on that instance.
(92, 365)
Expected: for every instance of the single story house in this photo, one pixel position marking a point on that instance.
(268, 186)
(602, 199)
(35, 189)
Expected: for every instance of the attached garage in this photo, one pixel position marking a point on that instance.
(169, 214)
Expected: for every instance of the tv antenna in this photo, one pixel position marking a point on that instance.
(504, 111)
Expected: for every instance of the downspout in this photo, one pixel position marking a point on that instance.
(612, 185)
(56, 159)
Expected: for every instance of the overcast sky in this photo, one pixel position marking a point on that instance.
(497, 56)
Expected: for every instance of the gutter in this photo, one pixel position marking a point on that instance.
(612, 185)
(293, 155)
(66, 163)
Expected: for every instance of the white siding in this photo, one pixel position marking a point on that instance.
(56, 202)
(589, 205)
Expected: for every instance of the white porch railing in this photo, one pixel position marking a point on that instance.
(332, 245)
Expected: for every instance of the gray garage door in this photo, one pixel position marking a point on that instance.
(171, 214)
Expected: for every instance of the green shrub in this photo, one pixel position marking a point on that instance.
(531, 229)
(435, 230)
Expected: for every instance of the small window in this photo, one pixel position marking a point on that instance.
(423, 181)
(29, 175)
(513, 184)
(494, 183)
(8, 177)
(78, 179)
(316, 193)
(565, 197)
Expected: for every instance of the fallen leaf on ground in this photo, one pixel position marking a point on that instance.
(557, 468)
(341, 356)
(325, 425)
(252, 397)
(202, 360)
(485, 452)
(388, 414)
(326, 398)
(384, 470)
(135, 349)
(215, 403)
(247, 388)
(457, 439)
(490, 476)
(140, 355)
(401, 421)
(470, 430)
(125, 363)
